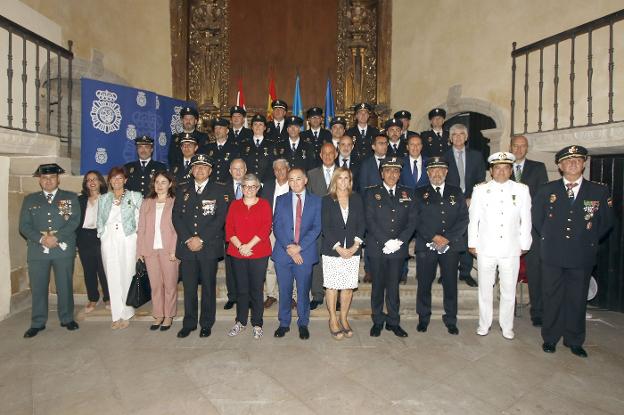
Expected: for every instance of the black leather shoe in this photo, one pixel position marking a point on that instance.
(577, 350)
(71, 326)
(375, 331)
(549, 347)
(397, 330)
(281, 331)
(304, 333)
(155, 327)
(537, 321)
(165, 328)
(33, 331)
(205, 332)
(421, 327)
(469, 281)
(184, 332)
(229, 305)
(452, 329)
(314, 304)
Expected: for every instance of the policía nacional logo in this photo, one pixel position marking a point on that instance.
(105, 112)
(176, 124)
(100, 156)
(157, 102)
(141, 99)
(162, 139)
(131, 132)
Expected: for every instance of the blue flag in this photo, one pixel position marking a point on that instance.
(329, 103)
(297, 105)
(113, 116)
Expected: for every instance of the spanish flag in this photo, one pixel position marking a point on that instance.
(272, 96)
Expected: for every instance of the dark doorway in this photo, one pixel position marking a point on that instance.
(609, 272)
(475, 122)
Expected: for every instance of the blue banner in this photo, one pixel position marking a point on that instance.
(329, 103)
(113, 116)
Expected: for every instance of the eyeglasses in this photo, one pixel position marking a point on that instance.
(250, 187)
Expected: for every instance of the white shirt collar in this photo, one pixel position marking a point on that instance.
(418, 160)
(53, 193)
(296, 143)
(578, 181)
(390, 188)
(441, 188)
(202, 184)
(521, 164)
(146, 161)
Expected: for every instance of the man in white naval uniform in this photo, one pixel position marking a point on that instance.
(498, 233)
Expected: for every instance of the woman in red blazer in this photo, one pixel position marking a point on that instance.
(156, 245)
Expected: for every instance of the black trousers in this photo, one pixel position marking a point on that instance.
(565, 302)
(465, 264)
(386, 273)
(197, 271)
(230, 279)
(91, 259)
(426, 265)
(534, 277)
(250, 275)
(318, 292)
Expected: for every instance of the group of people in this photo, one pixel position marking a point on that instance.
(315, 202)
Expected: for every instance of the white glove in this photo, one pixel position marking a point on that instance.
(391, 246)
(62, 245)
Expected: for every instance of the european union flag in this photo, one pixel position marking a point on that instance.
(297, 105)
(329, 103)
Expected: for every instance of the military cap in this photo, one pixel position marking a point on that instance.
(50, 168)
(294, 120)
(437, 112)
(223, 122)
(391, 162)
(258, 118)
(436, 162)
(362, 106)
(314, 112)
(403, 114)
(188, 138)
(189, 111)
(502, 157)
(201, 160)
(338, 120)
(278, 103)
(144, 139)
(393, 122)
(573, 151)
(237, 109)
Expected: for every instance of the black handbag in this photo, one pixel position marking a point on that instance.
(140, 291)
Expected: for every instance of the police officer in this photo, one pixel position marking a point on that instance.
(391, 219)
(48, 221)
(316, 134)
(337, 128)
(440, 237)
(571, 215)
(221, 151)
(405, 117)
(362, 132)
(436, 141)
(141, 171)
(396, 146)
(276, 129)
(182, 170)
(258, 152)
(297, 152)
(498, 233)
(238, 133)
(198, 217)
(189, 117)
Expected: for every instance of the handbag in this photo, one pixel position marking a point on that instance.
(140, 291)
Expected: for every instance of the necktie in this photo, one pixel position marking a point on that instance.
(437, 189)
(461, 169)
(49, 197)
(236, 133)
(199, 190)
(186, 164)
(518, 172)
(327, 176)
(363, 133)
(219, 147)
(344, 164)
(294, 148)
(298, 211)
(571, 186)
(279, 129)
(415, 171)
(315, 134)
(439, 134)
(395, 148)
(239, 192)
(257, 142)
(143, 163)
(391, 192)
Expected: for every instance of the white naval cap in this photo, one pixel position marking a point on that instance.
(502, 157)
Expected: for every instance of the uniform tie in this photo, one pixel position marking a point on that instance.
(186, 164)
(363, 133)
(49, 197)
(298, 211)
(279, 129)
(236, 133)
(570, 187)
(199, 190)
(415, 171)
(439, 134)
(395, 148)
(344, 163)
(294, 148)
(391, 192)
(143, 163)
(220, 147)
(315, 134)
(257, 142)
(437, 189)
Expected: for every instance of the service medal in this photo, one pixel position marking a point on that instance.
(377, 196)
(131, 170)
(452, 200)
(186, 196)
(553, 198)
(589, 225)
(426, 195)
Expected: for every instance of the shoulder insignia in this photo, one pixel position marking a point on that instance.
(377, 196)
(186, 196)
(131, 170)
(600, 183)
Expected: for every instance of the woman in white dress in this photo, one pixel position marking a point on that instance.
(118, 214)
(342, 227)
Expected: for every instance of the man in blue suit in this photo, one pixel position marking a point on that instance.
(296, 226)
(413, 175)
(369, 175)
(466, 169)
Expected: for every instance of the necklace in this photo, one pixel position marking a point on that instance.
(117, 201)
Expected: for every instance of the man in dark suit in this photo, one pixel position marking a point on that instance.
(198, 217)
(296, 225)
(276, 129)
(533, 174)
(440, 237)
(298, 153)
(348, 158)
(238, 133)
(222, 151)
(141, 171)
(182, 170)
(436, 140)
(413, 174)
(189, 117)
(318, 184)
(571, 215)
(258, 152)
(48, 220)
(391, 219)
(405, 117)
(362, 132)
(396, 146)
(316, 134)
(369, 171)
(466, 169)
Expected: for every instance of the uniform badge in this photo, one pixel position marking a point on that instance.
(247, 149)
(226, 198)
(303, 156)
(208, 207)
(186, 196)
(430, 139)
(281, 151)
(227, 156)
(377, 196)
(589, 225)
(553, 198)
(452, 200)
(590, 207)
(404, 197)
(211, 152)
(175, 169)
(65, 208)
(513, 199)
(426, 195)
(610, 202)
(266, 152)
(131, 170)
(152, 174)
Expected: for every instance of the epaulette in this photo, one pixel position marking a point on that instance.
(479, 184)
(600, 183)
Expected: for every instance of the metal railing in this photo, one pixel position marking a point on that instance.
(47, 85)
(566, 43)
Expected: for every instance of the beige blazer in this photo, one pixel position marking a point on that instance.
(145, 229)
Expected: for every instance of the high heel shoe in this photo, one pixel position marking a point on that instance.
(336, 335)
(348, 333)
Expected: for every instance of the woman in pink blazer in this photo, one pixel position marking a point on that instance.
(156, 245)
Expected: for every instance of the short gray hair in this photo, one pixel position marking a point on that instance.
(458, 127)
(250, 177)
(281, 161)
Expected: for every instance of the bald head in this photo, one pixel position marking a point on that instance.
(328, 154)
(519, 146)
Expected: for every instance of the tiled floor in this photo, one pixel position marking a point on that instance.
(97, 371)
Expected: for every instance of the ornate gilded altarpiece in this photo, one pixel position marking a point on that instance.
(200, 55)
